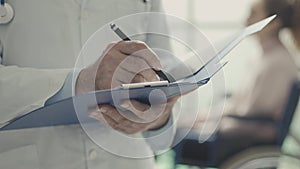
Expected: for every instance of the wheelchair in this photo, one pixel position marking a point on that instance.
(243, 150)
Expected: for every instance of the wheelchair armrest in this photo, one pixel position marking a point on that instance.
(261, 119)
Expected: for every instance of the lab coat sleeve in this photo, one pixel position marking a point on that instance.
(162, 138)
(25, 89)
(66, 90)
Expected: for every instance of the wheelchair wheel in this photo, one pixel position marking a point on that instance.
(254, 158)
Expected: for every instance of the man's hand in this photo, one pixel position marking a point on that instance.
(137, 120)
(122, 63)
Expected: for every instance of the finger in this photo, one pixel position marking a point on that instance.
(117, 81)
(128, 126)
(138, 79)
(106, 68)
(126, 79)
(114, 57)
(110, 122)
(111, 112)
(109, 46)
(141, 50)
(131, 69)
(144, 76)
(134, 64)
(118, 115)
(105, 51)
(143, 111)
(133, 105)
(124, 125)
(126, 76)
(121, 124)
(96, 114)
(173, 100)
(149, 75)
(138, 67)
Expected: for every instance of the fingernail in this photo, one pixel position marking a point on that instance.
(125, 104)
(156, 78)
(103, 110)
(157, 68)
(93, 114)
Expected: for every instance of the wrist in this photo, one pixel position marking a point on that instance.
(161, 121)
(84, 82)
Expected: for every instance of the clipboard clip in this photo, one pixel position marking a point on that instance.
(145, 84)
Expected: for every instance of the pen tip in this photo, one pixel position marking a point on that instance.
(112, 25)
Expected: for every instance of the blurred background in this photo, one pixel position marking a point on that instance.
(219, 20)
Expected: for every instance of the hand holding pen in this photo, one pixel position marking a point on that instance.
(163, 75)
(122, 63)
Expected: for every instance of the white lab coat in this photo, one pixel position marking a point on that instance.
(40, 47)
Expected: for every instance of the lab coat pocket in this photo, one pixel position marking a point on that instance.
(20, 158)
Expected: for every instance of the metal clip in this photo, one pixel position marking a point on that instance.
(6, 13)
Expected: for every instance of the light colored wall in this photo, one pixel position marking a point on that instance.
(219, 21)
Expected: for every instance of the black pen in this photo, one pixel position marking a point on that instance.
(118, 31)
(160, 73)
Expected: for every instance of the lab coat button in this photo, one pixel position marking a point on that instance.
(92, 154)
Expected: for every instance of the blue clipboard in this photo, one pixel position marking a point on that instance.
(63, 112)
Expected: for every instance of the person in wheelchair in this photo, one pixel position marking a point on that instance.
(274, 72)
(249, 117)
